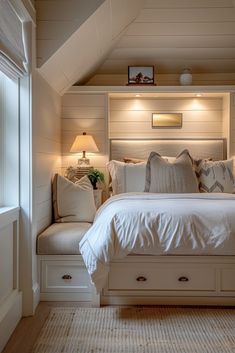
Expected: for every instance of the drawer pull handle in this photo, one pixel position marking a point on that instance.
(183, 279)
(67, 277)
(141, 279)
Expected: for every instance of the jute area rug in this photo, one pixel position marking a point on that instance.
(138, 330)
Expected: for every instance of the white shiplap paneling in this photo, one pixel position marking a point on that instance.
(172, 35)
(57, 20)
(84, 113)
(202, 117)
(47, 149)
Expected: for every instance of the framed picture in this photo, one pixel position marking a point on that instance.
(167, 120)
(140, 75)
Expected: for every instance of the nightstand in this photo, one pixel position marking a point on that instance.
(98, 197)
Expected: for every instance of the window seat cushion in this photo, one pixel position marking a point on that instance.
(62, 238)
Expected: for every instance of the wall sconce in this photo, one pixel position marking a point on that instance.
(84, 143)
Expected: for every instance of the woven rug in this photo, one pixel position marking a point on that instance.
(138, 330)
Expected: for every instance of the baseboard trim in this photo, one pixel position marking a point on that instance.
(173, 300)
(10, 315)
(66, 296)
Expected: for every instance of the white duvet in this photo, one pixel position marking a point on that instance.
(158, 224)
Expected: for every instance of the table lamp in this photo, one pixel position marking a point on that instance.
(84, 143)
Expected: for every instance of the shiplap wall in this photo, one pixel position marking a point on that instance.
(47, 149)
(84, 113)
(132, 118)
(175, 34)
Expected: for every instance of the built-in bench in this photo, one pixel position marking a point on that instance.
(63, 275)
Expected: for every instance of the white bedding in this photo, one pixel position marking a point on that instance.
(158, 224)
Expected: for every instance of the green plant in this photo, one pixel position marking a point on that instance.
(95, 175)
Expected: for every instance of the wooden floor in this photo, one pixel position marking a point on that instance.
(28, 329)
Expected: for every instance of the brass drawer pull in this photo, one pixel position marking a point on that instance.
(67, 277)
(183, 279)
(141, 279)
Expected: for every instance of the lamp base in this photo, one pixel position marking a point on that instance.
(83, 162)
(76, 173)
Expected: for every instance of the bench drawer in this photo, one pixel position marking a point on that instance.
(64, 276)
(228, 279)
(177, 277)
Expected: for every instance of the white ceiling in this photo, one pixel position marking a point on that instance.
(174, 34)
(57, 21)
(80, 55)
(169, 34)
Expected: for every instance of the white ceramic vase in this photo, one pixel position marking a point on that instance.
(186, 78)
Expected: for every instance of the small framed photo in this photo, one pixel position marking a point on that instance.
(167, 120)
(140, 75)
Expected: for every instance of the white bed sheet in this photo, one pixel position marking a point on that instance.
(158, 224)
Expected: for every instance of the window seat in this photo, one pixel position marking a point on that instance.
(62, 272)
(62, 238)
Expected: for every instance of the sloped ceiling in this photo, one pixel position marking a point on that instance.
(82, 53)
(112, 34)
(172, 35)
(57, 21)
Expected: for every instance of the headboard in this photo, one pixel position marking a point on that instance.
(141, 148)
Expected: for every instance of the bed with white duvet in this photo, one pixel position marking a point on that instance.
(168, 234)
(158, 224)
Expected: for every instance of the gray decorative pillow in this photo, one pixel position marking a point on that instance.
(215, 176)
(177, 176)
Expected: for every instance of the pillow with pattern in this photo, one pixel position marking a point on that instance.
(163, 176)
(216, 176)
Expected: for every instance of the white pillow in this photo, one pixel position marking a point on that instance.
(73, 202)
(215, 176)
(127, 177)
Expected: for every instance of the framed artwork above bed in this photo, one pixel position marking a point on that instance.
(167, 120)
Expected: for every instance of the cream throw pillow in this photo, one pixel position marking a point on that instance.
(73, 202)
(170, 177)
(127, 177)
(215, 176)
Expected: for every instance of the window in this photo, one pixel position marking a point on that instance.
(9, 141)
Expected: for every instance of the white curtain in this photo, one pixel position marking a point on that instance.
(14, 34)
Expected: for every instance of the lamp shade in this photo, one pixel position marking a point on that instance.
(84, 143)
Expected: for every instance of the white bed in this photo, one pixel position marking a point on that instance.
(181, 247)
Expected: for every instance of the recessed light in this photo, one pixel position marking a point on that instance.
(198, 95)
(138, 95)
